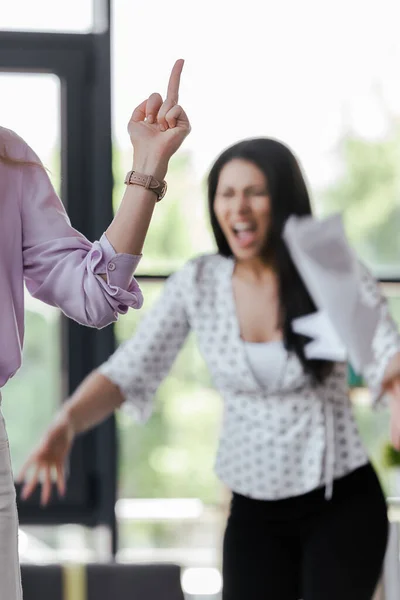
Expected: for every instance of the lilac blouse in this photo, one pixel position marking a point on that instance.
(59, 265)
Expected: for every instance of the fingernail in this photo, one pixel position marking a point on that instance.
(162, 128)
(150, 118)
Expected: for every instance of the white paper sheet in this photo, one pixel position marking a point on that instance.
(325, 343)
(330, 271)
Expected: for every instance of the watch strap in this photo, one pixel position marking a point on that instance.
(148, 182)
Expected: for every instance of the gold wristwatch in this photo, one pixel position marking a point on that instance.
(147, 181)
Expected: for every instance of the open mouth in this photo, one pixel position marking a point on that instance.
(245, 233)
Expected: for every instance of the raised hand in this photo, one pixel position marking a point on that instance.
(48, 462)
(157, 128)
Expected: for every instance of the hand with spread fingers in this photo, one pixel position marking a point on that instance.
(48, 461)
(158, 127)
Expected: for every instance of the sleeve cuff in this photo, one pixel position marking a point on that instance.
(118, 267)
(122, 288)
(135, 404)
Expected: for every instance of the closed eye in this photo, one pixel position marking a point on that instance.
(227, 194)
(230, 193)
(257, 192)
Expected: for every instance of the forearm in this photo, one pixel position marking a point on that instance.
(92, 402)
(128, 230)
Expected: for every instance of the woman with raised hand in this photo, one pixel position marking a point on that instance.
(91, 283)
(308, 517)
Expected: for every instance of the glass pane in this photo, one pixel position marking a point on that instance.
(336, 105)
(171, 458)
(45, 15)
(35, 391)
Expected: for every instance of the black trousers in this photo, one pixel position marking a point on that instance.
(307, 547)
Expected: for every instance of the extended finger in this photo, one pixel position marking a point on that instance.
(24, 470)
(174, 81)
(30, 485)
(46, 486)
(60, 480)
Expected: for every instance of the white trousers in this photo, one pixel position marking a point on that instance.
(10, 578)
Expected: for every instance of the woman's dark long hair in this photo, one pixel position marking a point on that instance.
(289, 196)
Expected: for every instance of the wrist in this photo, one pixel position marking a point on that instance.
(157, 167)
(67, 419)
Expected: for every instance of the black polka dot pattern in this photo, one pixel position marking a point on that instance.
(273, 438)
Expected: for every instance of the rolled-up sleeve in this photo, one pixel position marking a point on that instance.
(90, 283)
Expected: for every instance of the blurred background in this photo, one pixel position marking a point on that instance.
(322, 77)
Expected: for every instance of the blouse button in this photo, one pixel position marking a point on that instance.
(111, 266)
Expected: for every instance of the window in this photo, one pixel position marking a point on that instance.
(270, 70)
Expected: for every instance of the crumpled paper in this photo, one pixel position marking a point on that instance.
(325, 344)
(330, 271)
